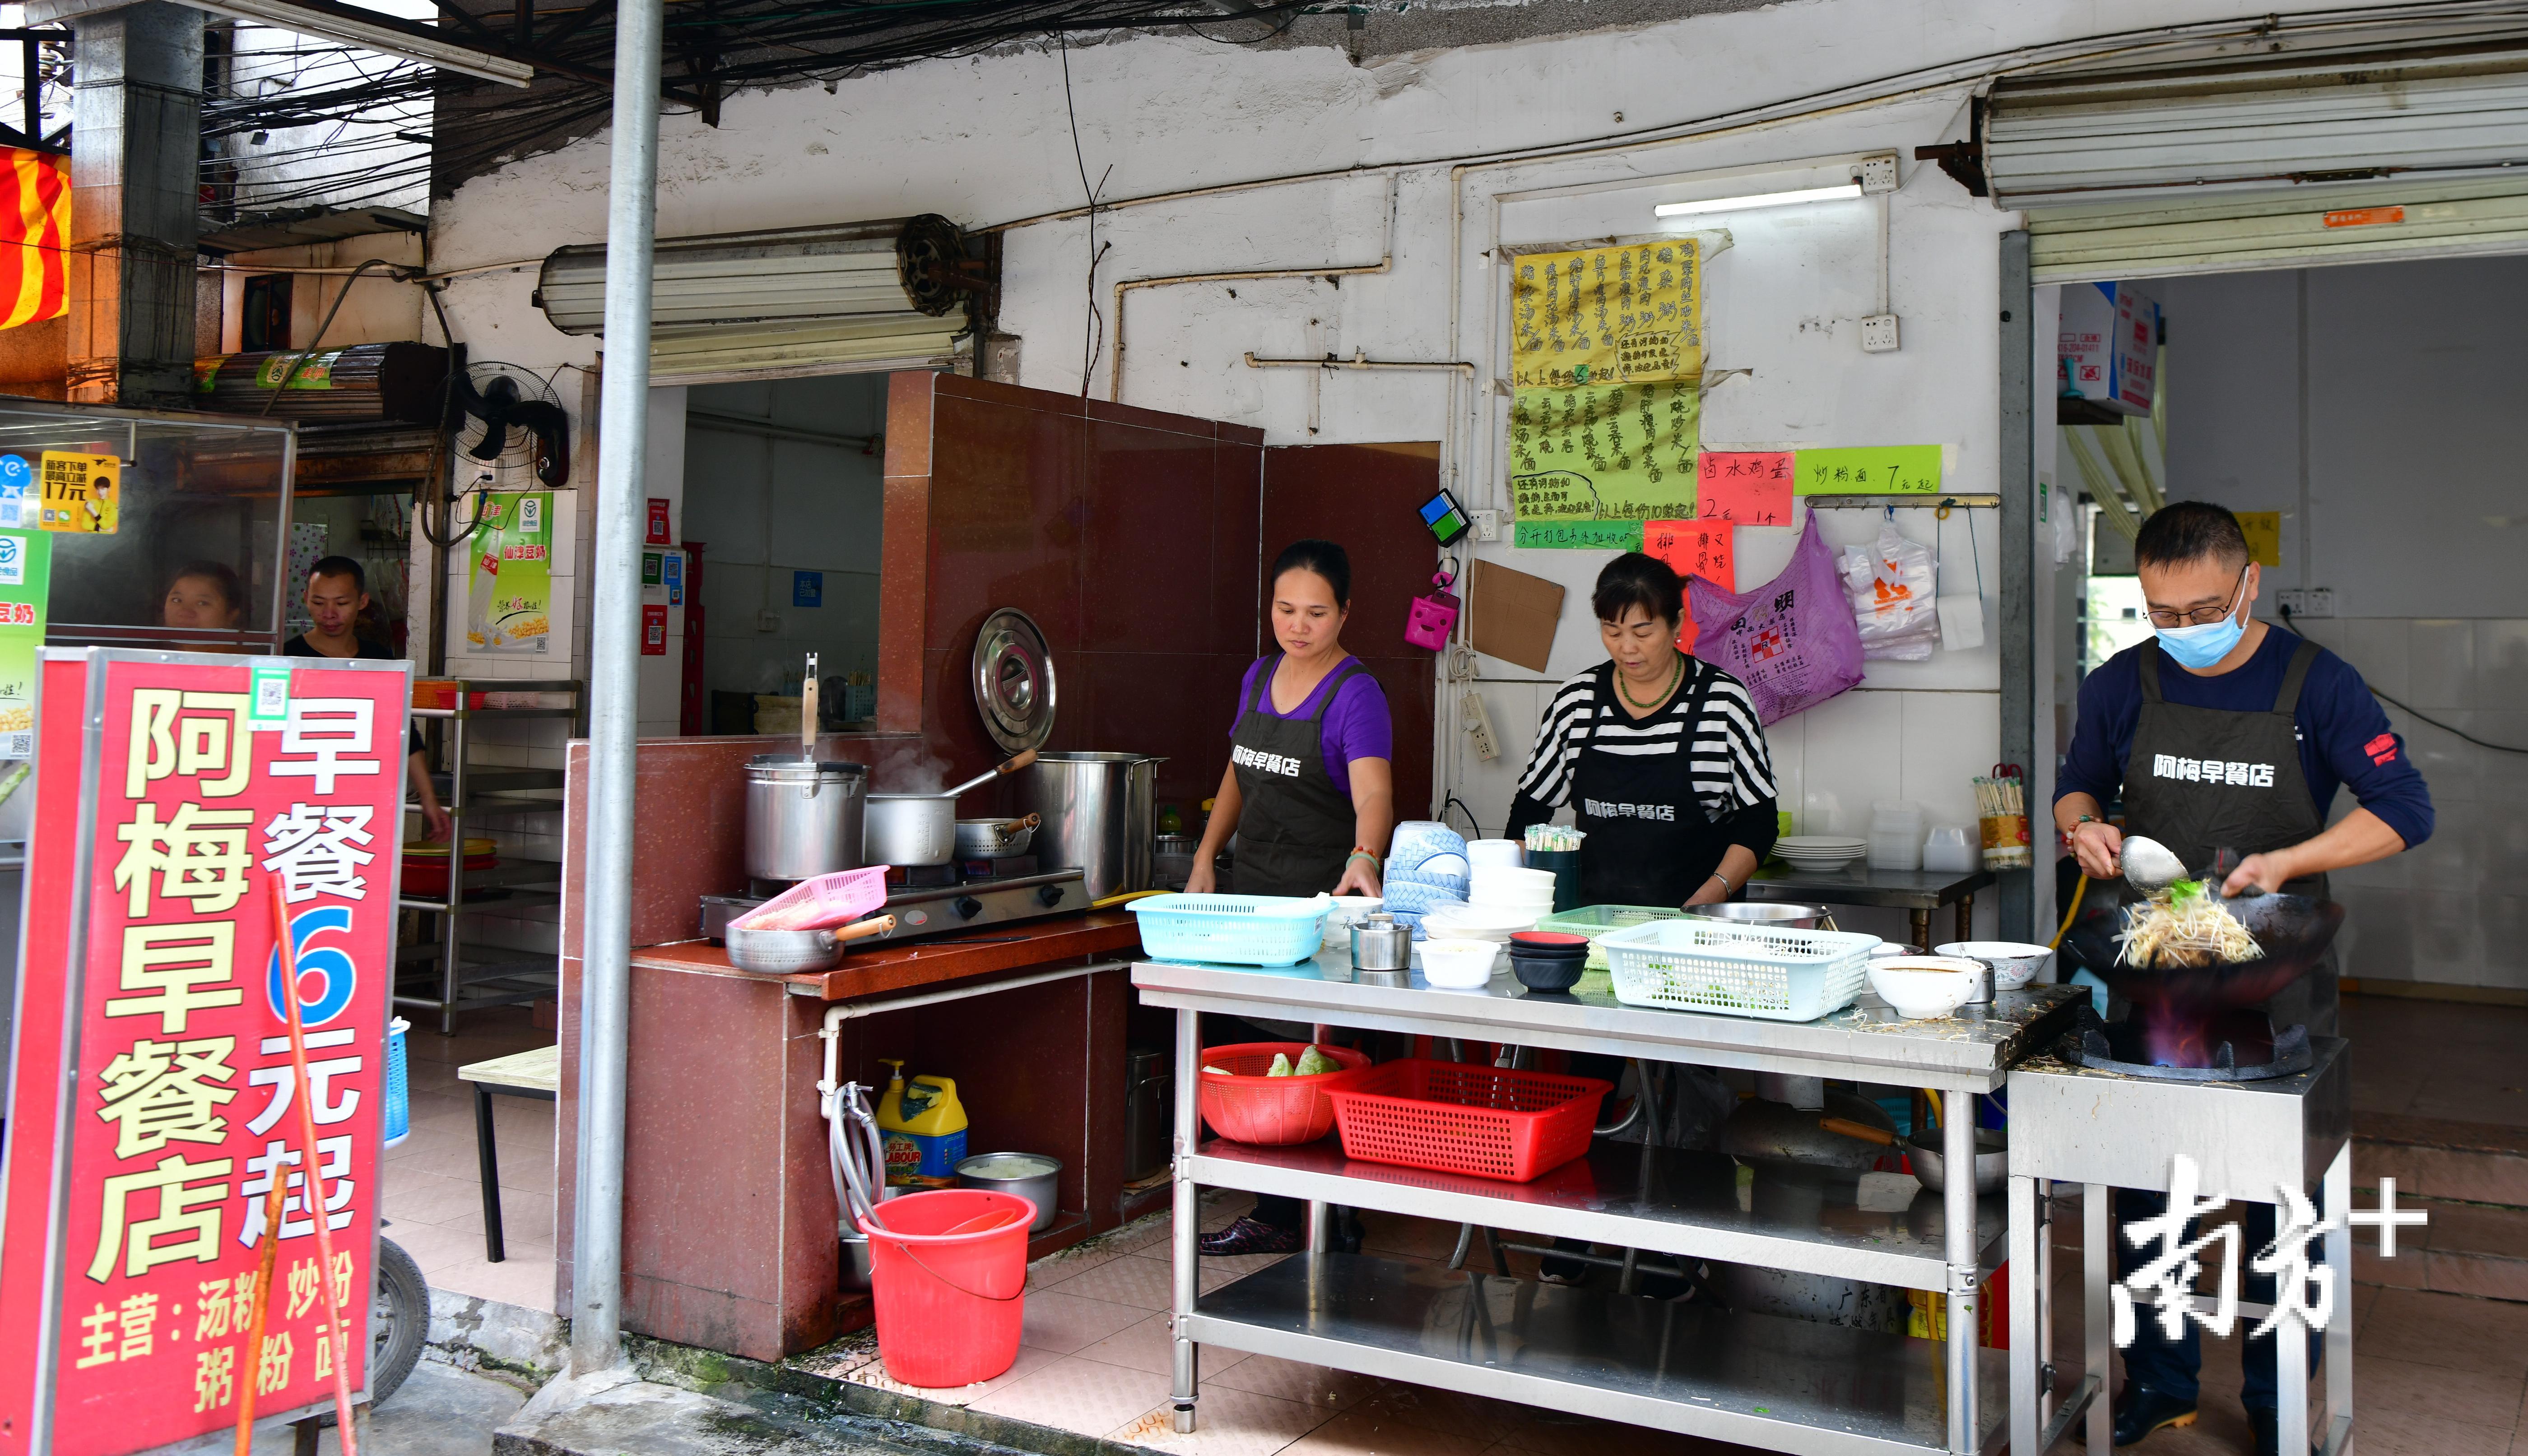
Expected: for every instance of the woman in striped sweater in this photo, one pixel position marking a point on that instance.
(1658, 755)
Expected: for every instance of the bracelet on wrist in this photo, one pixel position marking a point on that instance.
(1361, 854)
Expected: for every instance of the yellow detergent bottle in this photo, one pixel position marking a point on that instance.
(924, 1127)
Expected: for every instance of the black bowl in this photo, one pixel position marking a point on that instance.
(1554, 973)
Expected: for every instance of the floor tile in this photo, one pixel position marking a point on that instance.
(872, 1373)
(1472, 1417)
(1320, 1386)
(1142, 1284)
(2428, 1436)
(2448, 1331)
(2395, 1391)
(1046, 1272)
(1359, 1433)
(1150, 1345)
(1066, 1324)
(525, 1282)
(1227, 1423)
(1079, 1395)
(434, 1248)
(414, 1196)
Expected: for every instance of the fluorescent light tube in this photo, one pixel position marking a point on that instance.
(283, 16)
(1760, 199)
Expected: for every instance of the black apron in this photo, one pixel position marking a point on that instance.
(2200, 780)
(1294, 828)
(1649, 841)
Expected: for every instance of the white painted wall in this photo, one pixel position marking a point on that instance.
(765, 508)
(986, 138)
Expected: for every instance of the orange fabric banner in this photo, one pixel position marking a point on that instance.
(34, 235)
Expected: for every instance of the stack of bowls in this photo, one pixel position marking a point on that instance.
(1547, 960)
(1500, 887)
(1821, 852)
(1426, 870)
(1458, 964)
(1496, 853)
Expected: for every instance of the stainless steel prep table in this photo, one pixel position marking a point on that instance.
(1917, 892)
(1754, 1379)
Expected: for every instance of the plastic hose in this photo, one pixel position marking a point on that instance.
(2065, 928)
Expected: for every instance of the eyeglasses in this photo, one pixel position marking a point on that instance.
(2201, 616)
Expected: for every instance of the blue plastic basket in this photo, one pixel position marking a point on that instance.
(1237, 929)
(398, 1109)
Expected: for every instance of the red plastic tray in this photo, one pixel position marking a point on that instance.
(1245, 1106)
(1491, 1121)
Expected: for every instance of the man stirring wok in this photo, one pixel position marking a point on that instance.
(2224, 733)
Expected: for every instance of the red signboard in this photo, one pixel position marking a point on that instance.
(170, 807)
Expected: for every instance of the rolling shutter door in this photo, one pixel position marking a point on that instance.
(2277, 162)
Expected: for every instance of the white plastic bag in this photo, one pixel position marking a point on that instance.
(1893, 584)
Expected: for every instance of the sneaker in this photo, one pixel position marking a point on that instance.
(1250, 1235)
(2144, 1410)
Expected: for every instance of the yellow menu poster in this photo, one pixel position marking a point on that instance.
(1608, 315)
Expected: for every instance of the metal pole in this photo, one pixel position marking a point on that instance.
(613, 639)
(2017, 482)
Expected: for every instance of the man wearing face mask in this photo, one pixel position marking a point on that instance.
(2223, 732)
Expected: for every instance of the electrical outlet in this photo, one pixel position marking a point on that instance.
(1480, 724)
(1879, 174)
(1488, 525)
(767, 621)
(2309, 602)
(1878, 334)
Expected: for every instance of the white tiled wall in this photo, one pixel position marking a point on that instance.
(2453, 910)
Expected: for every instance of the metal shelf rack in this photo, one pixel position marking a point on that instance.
(462, 975)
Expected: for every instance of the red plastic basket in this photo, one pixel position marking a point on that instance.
(1244, 1106)
(1491, 1121)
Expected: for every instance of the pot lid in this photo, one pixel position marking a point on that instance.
(1014, 681)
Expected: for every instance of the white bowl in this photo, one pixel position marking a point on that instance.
(1496, 853)
(1459, 965)
(1491, 923)
(2014, 962)
(1923, 987)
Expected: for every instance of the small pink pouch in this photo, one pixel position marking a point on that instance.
(1431, 618)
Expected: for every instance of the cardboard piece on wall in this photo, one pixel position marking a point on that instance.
(2264, 532)
(1511, 615)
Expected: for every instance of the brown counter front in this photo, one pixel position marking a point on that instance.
(730, 1214)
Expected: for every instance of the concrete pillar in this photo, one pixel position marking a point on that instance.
(134, 147)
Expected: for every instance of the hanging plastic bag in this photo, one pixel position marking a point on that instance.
(1791, 641)
(1892, 584)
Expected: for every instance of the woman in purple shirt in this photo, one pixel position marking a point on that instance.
(1308, 791)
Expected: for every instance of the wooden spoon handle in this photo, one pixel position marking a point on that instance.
(1862, 1130)
(877, 925)
(1018, 763)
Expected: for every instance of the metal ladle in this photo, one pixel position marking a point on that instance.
(2149, 867)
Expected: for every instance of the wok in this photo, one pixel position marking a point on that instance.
(2292, 930)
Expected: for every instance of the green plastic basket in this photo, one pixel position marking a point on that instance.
(1594, 920)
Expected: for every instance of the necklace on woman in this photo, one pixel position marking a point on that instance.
(1675, 670)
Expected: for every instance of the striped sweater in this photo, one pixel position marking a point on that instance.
(1732, 770)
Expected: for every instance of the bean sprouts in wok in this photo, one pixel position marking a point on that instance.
(2183, 928)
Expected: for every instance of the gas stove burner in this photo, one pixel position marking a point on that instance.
(2208, 1051)
(919, 876)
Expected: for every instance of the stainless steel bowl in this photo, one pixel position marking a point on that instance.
(1991, 1163)
(1781, 915)
(783, 952)
(855, 1271)
(1039, 1188)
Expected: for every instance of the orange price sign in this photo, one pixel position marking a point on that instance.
(1703, 549)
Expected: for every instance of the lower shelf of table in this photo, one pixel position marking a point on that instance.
(1784, 1385)
(1781, 1216)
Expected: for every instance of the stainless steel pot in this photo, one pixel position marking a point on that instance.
(1098, 814)
(1378, 943)
(1039, 1186)
(803, 818)
(909, 829)
(990, 838)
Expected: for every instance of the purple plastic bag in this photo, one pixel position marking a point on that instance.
(1791, 641)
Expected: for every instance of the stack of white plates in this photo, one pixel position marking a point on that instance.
(1495, 923)
(1820, 851)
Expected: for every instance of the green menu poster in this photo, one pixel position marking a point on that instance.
(509, 598)
(26, 581)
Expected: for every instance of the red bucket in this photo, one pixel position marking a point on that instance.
(949, 1303)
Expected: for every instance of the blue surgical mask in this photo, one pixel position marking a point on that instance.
(2199, 648)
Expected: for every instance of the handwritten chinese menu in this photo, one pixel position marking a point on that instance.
(1613, 452)
(1608, 315)
(1752, 488)
(1703, 549)
(1870, 470)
